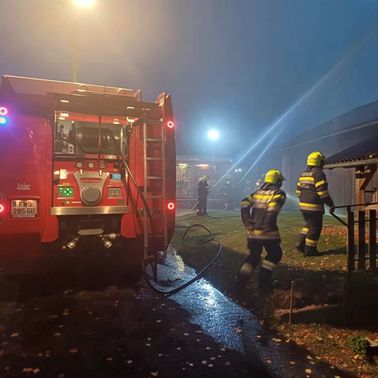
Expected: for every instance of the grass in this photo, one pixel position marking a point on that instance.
(228, 229)
(319, 281)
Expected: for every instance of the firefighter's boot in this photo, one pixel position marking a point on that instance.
(311, 251)
(265, 283)
(242, 280)
(300, 244)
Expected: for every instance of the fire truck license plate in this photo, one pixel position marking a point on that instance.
(24, 208)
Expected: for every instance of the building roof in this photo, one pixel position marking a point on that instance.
(358, 118)
(362, 153)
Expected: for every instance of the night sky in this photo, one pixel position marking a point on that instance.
(236, 65)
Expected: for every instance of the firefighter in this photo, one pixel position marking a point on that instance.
(203, 191)
(312, 190)
(259, 212)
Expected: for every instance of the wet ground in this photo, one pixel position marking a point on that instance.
(131, 331)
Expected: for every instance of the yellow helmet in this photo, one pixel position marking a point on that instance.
(315, 159)
(273, 176)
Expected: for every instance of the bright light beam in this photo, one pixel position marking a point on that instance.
(237, 163)
(300, 100)
(261, 155)
(307, 94)
(213, 134)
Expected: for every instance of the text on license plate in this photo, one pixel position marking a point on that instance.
(24, 208)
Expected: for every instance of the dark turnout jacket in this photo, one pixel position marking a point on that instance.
(312, 190)
(203, 188)
(259, 212)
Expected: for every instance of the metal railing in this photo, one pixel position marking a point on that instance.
(366, 249)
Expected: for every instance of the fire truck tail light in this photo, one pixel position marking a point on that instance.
(171, 206)
(3, 209)
(171, 124)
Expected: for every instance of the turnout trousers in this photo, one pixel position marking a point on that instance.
(273, 257)
(202, 204)
(310, 233)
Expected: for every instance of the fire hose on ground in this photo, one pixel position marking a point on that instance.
(198, 275)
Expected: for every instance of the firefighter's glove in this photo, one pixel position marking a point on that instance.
(331, 210)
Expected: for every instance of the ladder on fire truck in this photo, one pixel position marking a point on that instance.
(158, 214)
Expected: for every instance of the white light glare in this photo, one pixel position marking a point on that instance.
(84, 3)
(213, 134)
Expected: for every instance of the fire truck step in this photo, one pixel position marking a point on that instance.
(155, 177)
(153, 140)
(154, 158)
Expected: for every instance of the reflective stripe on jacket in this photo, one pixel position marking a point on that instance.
(259, 212)
(312, 190)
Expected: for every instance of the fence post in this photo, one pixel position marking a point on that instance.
(350, 239)
(361, 240)
(373, 239)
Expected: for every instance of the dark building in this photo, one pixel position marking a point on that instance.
(348, 135)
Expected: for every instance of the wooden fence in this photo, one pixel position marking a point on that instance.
(361, 237)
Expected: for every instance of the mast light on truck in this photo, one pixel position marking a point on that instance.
(3, 115)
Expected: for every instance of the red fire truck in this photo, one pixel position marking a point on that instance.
(84, 166)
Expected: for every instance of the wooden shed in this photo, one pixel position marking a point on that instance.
(361, 161)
